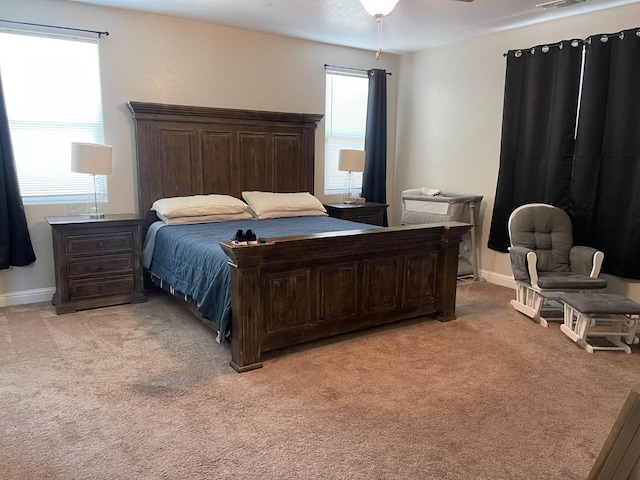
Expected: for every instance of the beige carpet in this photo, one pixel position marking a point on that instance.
(144, 392)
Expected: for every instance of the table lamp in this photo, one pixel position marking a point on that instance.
(94, 159)
(350, 161)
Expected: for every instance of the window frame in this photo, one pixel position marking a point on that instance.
(338, 137)
(82, 121)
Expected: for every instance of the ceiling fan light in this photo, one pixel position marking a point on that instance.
(377, 8)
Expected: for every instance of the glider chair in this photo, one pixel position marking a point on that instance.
(545, 262)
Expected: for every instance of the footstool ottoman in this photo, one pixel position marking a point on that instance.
(609, 316)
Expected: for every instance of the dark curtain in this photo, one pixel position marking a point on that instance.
(15, 242)
(374, 177)
(538, 125)
(605, 192)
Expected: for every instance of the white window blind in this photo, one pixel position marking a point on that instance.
(51, 87)
(345, 125)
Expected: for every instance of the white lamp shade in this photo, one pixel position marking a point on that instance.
(91, 158)
(351, 160)
(377, 8)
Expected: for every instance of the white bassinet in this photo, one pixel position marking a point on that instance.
(419, 208)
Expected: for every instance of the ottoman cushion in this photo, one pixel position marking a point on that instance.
(601, 303)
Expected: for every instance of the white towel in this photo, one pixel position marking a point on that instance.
(430, 192)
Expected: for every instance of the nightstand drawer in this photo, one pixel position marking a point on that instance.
(103, 265)
(369, 212)
(375, 219)
(100, 243)
(101, 287)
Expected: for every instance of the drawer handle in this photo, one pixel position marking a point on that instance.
(101, 267)
(101, 244)
(102, 286)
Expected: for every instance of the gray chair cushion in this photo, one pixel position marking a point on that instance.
(568, 281)
(548, 232)
(581, 259)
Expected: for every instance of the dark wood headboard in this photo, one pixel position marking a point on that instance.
(186, 150)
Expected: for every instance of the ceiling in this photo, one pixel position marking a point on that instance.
(412, 26)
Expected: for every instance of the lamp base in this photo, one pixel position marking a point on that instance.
(349, 189)
(95, 210)
(355, 201)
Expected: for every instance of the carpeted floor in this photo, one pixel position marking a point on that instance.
(144, 392)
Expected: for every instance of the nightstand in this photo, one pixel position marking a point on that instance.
(97, 261)
(370, 212)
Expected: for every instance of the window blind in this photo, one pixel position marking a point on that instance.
(345, 124)
(52, 91)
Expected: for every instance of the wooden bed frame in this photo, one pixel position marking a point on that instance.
(291, 289)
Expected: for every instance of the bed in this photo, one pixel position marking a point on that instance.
(293, 288)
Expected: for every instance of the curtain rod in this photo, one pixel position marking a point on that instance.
(573, 42)
(55, 26)
(581, 41)
(326, 65)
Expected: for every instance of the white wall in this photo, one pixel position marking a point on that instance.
(160, 59)
(450, 117)
(449, 104)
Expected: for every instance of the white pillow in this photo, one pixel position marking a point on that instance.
(289, 213)
(204, 218)
(275, 205)
(197, 205)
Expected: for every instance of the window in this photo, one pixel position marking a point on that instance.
(52, 91)
(345, 124)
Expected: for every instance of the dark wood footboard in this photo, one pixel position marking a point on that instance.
(295, 289)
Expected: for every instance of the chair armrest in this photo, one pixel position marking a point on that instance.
(523, 263)
(586, 261)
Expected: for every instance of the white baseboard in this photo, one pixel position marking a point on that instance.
(26, 296)
(45, 294)
(498, 279)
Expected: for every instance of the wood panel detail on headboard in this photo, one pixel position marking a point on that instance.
(186, 150)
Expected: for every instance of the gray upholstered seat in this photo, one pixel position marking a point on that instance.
(544, 259)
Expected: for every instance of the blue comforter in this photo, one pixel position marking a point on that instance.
(190, 259)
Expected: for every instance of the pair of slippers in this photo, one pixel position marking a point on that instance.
(245, 238)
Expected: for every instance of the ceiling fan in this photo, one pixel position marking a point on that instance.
(381, 8)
